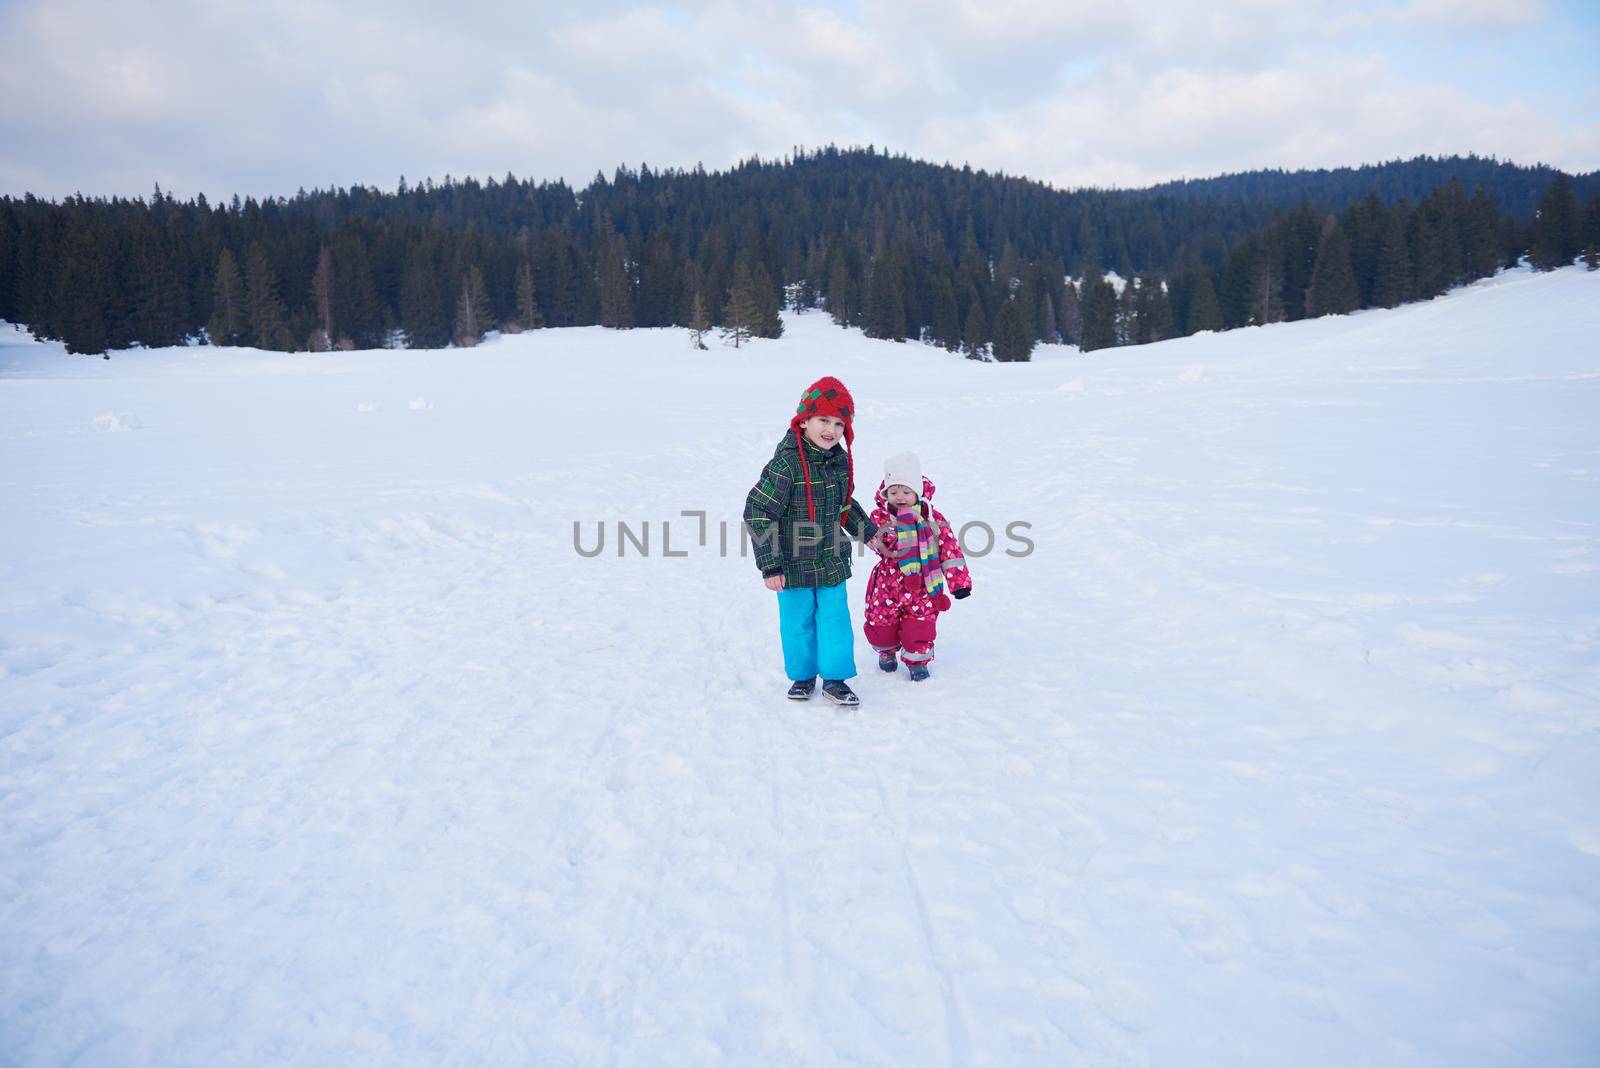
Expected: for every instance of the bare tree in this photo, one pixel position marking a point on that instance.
(322, 297)
(472, 310)
(1266, 292)
(699, 323)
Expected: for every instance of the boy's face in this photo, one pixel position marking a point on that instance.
(900, 496)
(823, 431)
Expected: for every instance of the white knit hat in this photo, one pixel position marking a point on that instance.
(904, 470)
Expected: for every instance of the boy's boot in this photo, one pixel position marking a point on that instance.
(886, 661)
(802, 690)
(840, 694)
(918, 671)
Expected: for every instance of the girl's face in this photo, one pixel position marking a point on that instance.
(824, 431)
(900, 496)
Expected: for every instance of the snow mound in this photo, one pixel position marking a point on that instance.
(116, 422)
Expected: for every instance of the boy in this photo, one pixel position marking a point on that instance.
(794, 515)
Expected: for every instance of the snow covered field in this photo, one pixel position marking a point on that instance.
(321, 744)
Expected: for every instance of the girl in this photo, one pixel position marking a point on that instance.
(922, 561)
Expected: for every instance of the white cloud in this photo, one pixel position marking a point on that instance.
(1486, 14)
(260, 99)
(1314, 112)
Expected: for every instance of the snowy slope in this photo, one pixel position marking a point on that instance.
(319, 743)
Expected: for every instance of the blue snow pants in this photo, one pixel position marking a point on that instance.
(817, 636)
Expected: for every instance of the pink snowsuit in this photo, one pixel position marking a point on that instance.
(900, 614)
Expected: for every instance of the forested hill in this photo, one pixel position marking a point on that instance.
(974, 261)
(1516, 189)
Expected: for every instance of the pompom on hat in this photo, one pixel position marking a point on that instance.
(826, 396)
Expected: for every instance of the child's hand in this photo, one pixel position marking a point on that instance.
(886, 541)
(773, 582)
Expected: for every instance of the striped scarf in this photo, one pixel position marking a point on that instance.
(918, 541)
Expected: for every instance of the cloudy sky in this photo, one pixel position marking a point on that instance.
(267, 96)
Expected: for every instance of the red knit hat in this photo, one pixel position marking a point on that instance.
(826, 396)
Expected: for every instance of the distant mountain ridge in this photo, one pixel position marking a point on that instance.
(1515, 187)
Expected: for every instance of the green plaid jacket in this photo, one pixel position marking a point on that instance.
(785, 540)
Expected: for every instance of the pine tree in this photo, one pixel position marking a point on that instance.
(1392, 283)
(1008, 274)
(973, 277)
(1128, 313)
(37, 296)
(128, 291)
(1235, 294)
(768, 322)
(1591, 233)
(1333, 281)
(1513, 243)
(1037, 306)
(1204, 311)
(555, 278)
(1452, 207)
(975, 332)
(229, 314)
(357, 311)
(946, 331)
(160, 308)
(808, 288)
(1071, 314)
(423, 315)
(1012, 342)
(1154, 310)
(1556, 238)
(1099, 314)
(1481, 238)
(1049, 333)
(1301, 233)
(10, 244)
(885, 304)
(838, 302)
(1424, 239)
(1364, 223)
(266, 318)
(83, 291)
(616, 303)
(659, 281)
